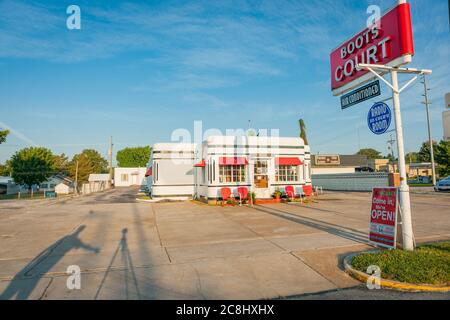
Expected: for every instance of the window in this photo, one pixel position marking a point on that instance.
(232, 173)
(286, 173)
(124, 177)
(203, 175)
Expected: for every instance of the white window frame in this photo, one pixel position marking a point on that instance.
(237, 173)
(286, 173)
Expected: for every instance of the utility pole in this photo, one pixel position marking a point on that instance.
(391, 142)
(76, 178)
(110, 153)
(359, 138)
(430, 139)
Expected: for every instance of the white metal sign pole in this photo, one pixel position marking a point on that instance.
(405, 205)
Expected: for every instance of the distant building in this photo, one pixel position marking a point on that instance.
(125, 177)
(332, 164)
(53, 181)
(7, 186)
(96, 182)
(418, 170)
(64, 188)
(380, 165)
(99, 177)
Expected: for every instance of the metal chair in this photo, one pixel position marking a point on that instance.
(226, 194)
(242, 194)
(308, 190)
(290, 192)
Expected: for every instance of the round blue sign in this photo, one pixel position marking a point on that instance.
(379, 118)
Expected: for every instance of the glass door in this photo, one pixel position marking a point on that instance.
(261, 174)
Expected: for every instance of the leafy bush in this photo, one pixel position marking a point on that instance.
(428, 264)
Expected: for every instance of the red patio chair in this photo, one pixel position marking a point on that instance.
(226, 194)
(242, 193)
(308, 190)
(290, 192)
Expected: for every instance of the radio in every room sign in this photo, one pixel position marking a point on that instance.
(383, 217)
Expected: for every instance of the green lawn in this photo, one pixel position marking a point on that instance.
(144, 197)
(428, 264)
(412, 184)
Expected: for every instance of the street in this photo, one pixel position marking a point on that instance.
(127, 249)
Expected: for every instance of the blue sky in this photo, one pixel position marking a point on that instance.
(137, 70)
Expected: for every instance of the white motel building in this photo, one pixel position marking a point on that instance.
(262, 164)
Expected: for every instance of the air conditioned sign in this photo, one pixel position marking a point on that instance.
(383, 217)
(388, 42)
(364, 93)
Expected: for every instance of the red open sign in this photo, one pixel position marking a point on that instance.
(383, 217)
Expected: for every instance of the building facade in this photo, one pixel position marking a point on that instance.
(64, 188)
(125, 177)
(262, 164)
(51, 183)
(338, 164)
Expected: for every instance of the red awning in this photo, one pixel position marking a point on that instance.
(288, 161)
(201, 164)
(232, 161)
(149, 172)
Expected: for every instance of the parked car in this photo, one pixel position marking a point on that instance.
(443, 185)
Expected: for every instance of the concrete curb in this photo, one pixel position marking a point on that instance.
(162, 200)
(389, 284)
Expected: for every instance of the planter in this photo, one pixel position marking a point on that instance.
(267, 201)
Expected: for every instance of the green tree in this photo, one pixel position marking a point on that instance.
(442, 155)
(61, 164)
(3, 135)
(89, 161)
(133, 157)
(32, 165)
(391, 158)
(424, 152)
(98, 163)
(5, 169)
(370, 153)
(412, 157)
(303, 131)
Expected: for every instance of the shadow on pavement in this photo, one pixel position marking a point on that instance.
(343, 232)
(24, 282)
(128, 267)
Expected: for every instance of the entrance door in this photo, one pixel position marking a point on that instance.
(134, 179)
(261, 178)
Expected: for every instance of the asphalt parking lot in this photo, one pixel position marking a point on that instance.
(133, 250)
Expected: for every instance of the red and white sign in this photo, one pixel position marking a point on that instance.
(391, 44)
(383, 217)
